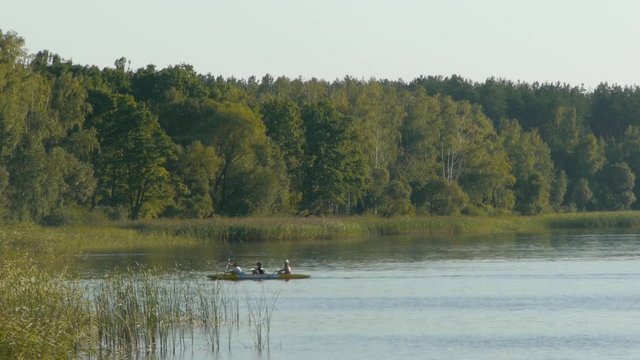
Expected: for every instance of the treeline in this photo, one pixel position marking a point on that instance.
(171, 142)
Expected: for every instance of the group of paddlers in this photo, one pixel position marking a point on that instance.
(234, 268)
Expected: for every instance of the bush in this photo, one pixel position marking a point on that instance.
(75, 216)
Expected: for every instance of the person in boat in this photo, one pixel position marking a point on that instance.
(258, 270)
(286, 268)
(234, 268)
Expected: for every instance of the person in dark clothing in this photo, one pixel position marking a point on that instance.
(258, 270)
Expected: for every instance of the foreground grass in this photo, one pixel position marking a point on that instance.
(128, 314)
(41, 315)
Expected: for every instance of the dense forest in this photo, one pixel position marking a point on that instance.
(174, 143)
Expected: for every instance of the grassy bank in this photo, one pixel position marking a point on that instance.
(322, 228)
(59, 243)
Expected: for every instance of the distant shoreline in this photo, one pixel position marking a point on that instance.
(325, 228)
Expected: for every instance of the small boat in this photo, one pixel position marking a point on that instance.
(274, 276)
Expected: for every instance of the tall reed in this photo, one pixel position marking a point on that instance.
(322, 228)
(41, 316)
(260, 312)
(137, 312)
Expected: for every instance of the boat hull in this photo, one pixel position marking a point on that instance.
(236, 277)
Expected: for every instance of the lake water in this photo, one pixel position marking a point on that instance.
(537, 296)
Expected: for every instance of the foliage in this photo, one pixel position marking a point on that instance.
(440, 197)
(532, 167)
(334, 168)
(134, 151)
(173, 142)
(197, 167)
(284, 127)
(617, 181)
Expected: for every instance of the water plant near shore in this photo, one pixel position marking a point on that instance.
(324, 228)
(131, 313)
(139, 312)
(41, 316)
(260, 312)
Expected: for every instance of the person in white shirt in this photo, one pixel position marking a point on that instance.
(234, 268)
(286, 268)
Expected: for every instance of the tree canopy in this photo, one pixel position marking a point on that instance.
(172, 142)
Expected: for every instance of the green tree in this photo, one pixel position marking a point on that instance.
(134, 151)
(630, 149)
(618, 182)
(38, 113)
(261, 187)
(581, 195)
(284, 127)
(440, 197)
(4, 193)
(531, 165)
(397, 199)
(12, 50)
(558, 189)
(416, 162)
(588, 158)
(334, 176)
(469, 154)
(377, 115)
(197, 167)
(239, 137)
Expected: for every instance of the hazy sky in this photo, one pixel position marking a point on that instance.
(575, 41)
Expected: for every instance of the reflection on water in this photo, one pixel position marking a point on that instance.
(536, 296)
(385, 252)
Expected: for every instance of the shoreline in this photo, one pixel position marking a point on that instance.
(327, 228)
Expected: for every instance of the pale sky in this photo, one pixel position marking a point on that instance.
(574, 41)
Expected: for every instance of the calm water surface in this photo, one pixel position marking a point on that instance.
(541, 296)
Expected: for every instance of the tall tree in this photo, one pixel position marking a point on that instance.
(239, 135)
(532, 167)
(469, 154)
(133, 156)
(334, 176)
(617, 182)
(284, 127)
(197, 167)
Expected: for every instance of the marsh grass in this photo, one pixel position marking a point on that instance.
(55, 247)
(254, 229)
(260, 312)
(137, 312)
(593, 220)
(41, 316)
(324, 228)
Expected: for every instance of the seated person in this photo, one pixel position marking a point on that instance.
(258, 270)
(234, 268)
(285, 269)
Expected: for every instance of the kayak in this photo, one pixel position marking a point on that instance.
(236, 277)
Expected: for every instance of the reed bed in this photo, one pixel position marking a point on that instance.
(41, 316)
(55, 247)
(253, 229)
(593, 220)
(137, 312)
(129, 314)
(324, 228)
